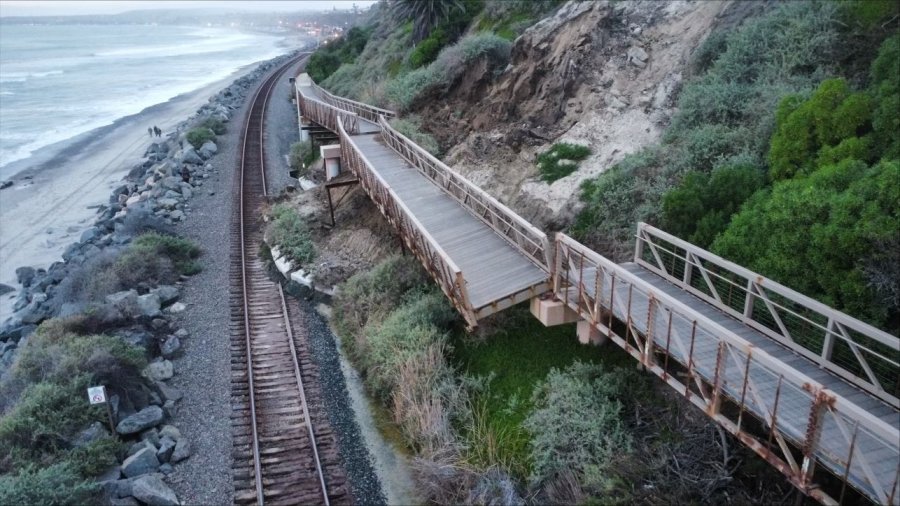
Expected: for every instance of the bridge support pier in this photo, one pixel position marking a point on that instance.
(589, 334)
(552, 312)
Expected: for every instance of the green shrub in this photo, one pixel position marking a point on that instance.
(156, 259)
(45, 418)
(845, 211)
(886, 89)
(330, 55)
(577, 425)
(197, 136)
(54, 485)
(54, 353)
(216, 125)
(427, 50)
(701, 206)
(371, 295)
(561, 160)
(303, 155)
(450, 64)
(288, 231)
(404, 333)
(411, 127)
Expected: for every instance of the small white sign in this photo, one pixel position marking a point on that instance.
(97, 395)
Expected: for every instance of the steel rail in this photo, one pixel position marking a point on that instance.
(264, 92)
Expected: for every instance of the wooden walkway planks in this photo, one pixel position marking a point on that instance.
(793, 404)
(471, 244)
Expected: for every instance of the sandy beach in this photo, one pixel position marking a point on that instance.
(56, 193)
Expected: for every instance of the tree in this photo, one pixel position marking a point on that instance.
(425, 14)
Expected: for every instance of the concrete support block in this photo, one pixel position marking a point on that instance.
(552, 312)
(331, 155)
(588, 334)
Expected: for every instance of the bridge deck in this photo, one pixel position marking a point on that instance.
(793, 405)
(493, 268)
(365, 126)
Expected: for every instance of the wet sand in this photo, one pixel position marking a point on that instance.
(55, 196)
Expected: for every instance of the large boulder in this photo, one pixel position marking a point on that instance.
(182, 451)
(167, 294)
(167, 203)
(142, 462)
(149, 305)
(5, 289)
(159, 371)
(170, 346)
(93, 433)
(166, 447)
(190, 156)
(208, 149)
(151, 416)
(152, 491)
(124, 301)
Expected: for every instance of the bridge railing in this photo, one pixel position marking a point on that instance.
(709, 365)
(860, 353)
(436, 261)
(516, 230)
(327, 115)
(365, 111)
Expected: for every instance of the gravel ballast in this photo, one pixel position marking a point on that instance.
(204, 370)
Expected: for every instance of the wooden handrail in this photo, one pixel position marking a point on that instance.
(790, 321)
(586, 274)
(364, 110)
(527, 238)
(439, 264)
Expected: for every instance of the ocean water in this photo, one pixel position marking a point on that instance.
(57, 82)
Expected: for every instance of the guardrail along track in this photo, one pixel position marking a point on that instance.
(284, 451)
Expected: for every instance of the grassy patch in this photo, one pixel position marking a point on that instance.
(291, 235)
(197, 136)
(561, 160)
(515, 360)
(411, 126)
(216, 125)
(303, 155)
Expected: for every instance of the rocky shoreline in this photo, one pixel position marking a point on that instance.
(154, 196)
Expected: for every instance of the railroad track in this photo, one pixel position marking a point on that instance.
(284, 450)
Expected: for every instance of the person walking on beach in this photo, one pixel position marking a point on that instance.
(157, 130)
(150, 131)
(185, 174)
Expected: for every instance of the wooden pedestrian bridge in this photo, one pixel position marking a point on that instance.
(812, 390)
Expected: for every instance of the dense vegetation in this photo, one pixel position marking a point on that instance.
(289, 232)
(783, 156)
(782, 130)
(418, 49)
(47, 460)
(561, 160)
(326, 60)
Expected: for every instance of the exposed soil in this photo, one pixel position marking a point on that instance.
(601, 74)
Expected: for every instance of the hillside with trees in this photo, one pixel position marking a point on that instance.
(766, 132)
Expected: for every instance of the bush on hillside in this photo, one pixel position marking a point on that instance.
(198, 136)
(156, 259)
(371, 295)
(846, 212)
(303, 155)
(450, 64)
(56, 484)
(411, 127)
(700, 208)
(725, 114)
(561, 160)
(216, 125)
(330, 55)
(577, 426)
(288, 231)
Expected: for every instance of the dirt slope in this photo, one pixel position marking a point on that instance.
(603, 74)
